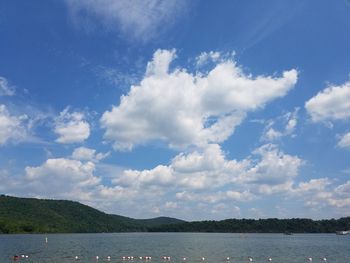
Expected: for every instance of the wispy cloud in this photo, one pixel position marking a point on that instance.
(137, 19)
(5, 88)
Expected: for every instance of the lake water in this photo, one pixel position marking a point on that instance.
(215, 248)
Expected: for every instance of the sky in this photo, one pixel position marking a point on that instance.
(190, 109)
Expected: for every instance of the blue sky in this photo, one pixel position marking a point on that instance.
(191, 109)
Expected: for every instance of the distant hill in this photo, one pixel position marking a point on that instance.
(30, 215)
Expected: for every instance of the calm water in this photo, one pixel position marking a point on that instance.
(214, 247)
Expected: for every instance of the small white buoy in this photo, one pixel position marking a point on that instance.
(228, 259)
(27, 256)
(250, 259)
(269, 259)
(123, 257)
(184, 259)
(203, 258)
(310, 259)
(324, 259)
(109, 258)
(22, 256)
(76, 257)
(97, 257)
(46, 240)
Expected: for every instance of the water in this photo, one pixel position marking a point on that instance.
(214, 247)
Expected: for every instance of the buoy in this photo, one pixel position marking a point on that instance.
(97, 257)
(109, 258)
(228, 259)
(123, 257)
(203, 258)
(46, 240)
(250, 259)
(324, 259)
(27, 256)
(184, 259)
(310, 259)
(22, 256)
(76, 257)
(269, 259)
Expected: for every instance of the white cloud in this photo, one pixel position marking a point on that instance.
(12, 128)
(333, 103)
(289, 121)
(200, 176)
(204, 57)
(186, 109)
(345, 141)
(274, 167)
(139, 19)
(71, 179)
(5, 88)
(87, 154)
(71, 127)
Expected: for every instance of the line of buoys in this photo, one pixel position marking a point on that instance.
(165, 258)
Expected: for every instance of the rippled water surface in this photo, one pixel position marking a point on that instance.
(213, 247)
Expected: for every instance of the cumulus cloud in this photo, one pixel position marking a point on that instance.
(71, 127)
(330, 104)
(5, 88)
(202, 175)
(321, 193)
(344, 142)
(186, 109)
(139, 19)
(12, 128)
(87, 154)
(70, 179)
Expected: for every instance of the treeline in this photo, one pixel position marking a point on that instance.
(271, 225)
(29, 215)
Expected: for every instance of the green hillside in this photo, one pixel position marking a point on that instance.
(30, 215)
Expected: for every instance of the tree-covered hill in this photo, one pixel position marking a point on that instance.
(30, 215)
